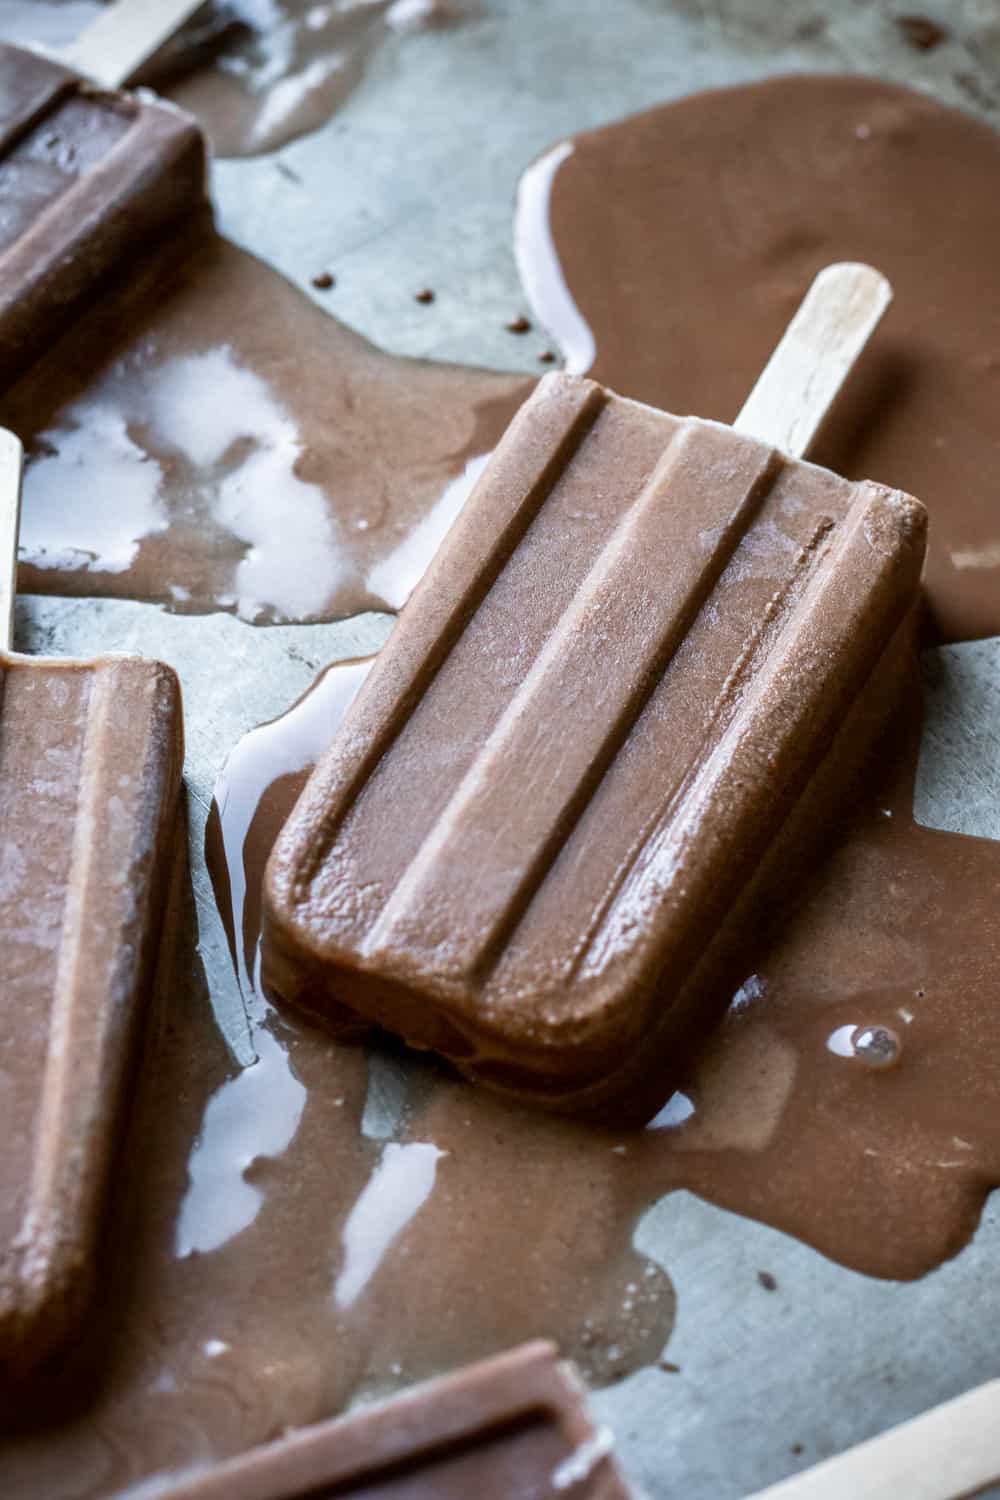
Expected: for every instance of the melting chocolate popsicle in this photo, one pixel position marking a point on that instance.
(514, 1425)
(638, 678)
(89, 179)
(90, 763)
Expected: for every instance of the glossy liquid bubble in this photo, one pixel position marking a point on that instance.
(878, 1047)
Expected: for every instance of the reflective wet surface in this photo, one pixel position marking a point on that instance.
(302, 486)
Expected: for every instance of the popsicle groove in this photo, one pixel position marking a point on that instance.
(66, 1052)
(786, 724)
(103, 762)
(762, 640)
(481, 856)
(517, 498)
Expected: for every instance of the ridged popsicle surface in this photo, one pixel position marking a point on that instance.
(90, 761)
(88, 181)
(634, 652)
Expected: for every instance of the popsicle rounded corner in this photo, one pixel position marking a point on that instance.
(46, 1290)
(575, 1059)
(896, 521)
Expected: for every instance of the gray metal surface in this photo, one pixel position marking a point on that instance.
(412, 184)
(958, 773)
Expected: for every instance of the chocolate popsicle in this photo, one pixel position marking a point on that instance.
(635, 682)
(511, 1426)
(90, 763)
(89, 179)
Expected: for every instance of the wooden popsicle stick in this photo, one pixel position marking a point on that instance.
(11, 466)
(126, 34)
(818, 349)
(948, 1453)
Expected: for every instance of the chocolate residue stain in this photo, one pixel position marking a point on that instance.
(259, 76)
(884, 1170)
(177, 454)
(666, 254)
(781, 1118)
(973, 87)
(811, 28)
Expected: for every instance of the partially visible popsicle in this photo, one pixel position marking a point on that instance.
(89, 179)
(90, 763)
(632, 688)
(513, 1427)
(951, 1452)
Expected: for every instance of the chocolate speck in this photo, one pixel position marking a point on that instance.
(767, 1281)
(921, 32)
(668, 1367)
(425, 295)
(519, 324)
(797, 1450)
(324, 281)
(546, 357)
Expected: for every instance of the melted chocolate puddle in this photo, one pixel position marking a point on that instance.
(666, 254)
(784, 1118)
(177, 453)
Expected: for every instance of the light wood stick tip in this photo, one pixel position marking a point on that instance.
(856, 275)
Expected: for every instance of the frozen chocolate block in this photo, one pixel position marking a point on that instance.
(88, 181)
(637, 677)
(512, 1426)
(90, 762)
